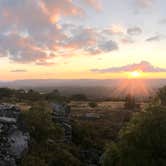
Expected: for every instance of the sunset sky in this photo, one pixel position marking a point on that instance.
(43, 39)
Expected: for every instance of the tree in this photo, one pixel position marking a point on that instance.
(20, 95)
(142, 142)
(92, 104)
(130, 102)
(54, 96)
(111, 155)
(46, 145)
(39, 123)
(6, 93)
(33, 95)
(162, 95)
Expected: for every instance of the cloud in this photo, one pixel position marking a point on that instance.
(114, 30)
(134, 31)
(155, 38)
(89, 40)
(162, 21)
(18, 71)
(82, 37)
(45, 63)
(108, 46)
(143, 66)
(145, 3)
(127, 40)
(96, 4)
(22, 49)
(30, 31)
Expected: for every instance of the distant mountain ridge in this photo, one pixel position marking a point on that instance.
(74, 82)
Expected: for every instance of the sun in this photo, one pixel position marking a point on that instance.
(135, 74)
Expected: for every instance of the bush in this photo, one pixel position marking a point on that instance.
(130, 102)
(39, 123)
(92, 104)
(142, 142)
(162, 95)
(46, 146)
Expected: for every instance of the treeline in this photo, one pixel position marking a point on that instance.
(31, 95)
(21, 95)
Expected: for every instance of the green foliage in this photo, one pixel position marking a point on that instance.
(54, 96)
(162, 95)
(32, 95)
(50, 155)
(111, 155)
(20, 95)
(6, 93)
(81, 135)
(13, 95)
(92, 104)
(46, 147)
(142, 142)
(31, 160)
(64, 158)
(40, 124)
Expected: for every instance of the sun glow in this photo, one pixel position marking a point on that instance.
(135, 74)
(134, 87)
(134, 84)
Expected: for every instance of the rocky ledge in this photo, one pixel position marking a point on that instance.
(61, 115)
(13, 138)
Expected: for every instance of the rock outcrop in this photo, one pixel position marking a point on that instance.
(61, 115)
(13, 140)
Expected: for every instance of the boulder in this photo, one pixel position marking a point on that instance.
(13, 141)
(61, 115)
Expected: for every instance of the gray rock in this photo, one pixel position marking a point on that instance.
(13, 141)
(61, 115)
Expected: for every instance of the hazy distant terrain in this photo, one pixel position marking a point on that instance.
(75, 82)
(90, 87)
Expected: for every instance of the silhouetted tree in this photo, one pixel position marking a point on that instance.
(54, 96)
(6, 93)
(130, 102)
(33, 95)
(162, 95)
(92, 104)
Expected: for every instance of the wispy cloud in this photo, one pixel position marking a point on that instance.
(18, 71)
(162, 21)
(155, 38)
(127, 40)
(134, 31)
(114, 29)
(143, 66)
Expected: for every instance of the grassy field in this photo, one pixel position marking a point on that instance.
(102, 110)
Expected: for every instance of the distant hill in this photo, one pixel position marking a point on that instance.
(90, 87)
(75, 82)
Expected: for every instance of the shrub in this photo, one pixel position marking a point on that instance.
(92, 104)
(142, 142)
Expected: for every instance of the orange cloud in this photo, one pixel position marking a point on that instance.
(30, 31)
(95, 3)
(143, 66)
